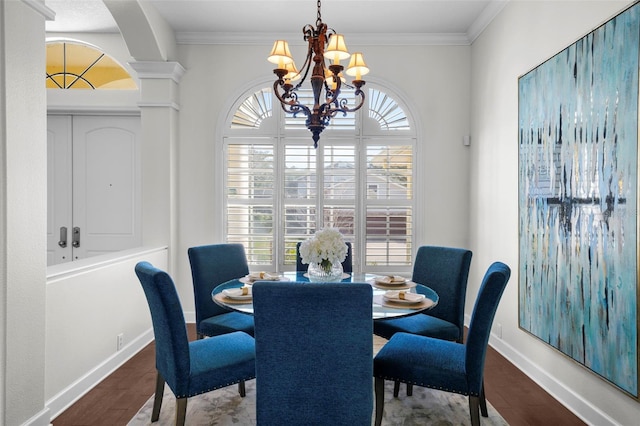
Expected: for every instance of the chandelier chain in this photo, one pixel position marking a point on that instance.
(319, 17)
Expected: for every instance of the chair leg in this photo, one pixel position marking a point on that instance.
(409, 389)
(181, 411)
(157, 400)
(396, 388)
(241, 389)
(379, 389)
(474, 410)
(483, 402)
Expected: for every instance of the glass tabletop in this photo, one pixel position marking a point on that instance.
(381, 308)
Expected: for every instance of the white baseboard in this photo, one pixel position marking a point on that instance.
(567, 397)
(80, 387)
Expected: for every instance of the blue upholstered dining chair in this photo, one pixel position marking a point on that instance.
(314, 352)
(441, 364)
(190, 368)
(446, 271)
(347, 264)
(212, 265)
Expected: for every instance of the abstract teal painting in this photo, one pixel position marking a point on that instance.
(578, 200)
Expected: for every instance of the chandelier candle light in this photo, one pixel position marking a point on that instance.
(324, 252)
(323, 43)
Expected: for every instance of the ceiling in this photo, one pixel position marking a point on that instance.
(440, 18)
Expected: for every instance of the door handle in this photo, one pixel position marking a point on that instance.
(76, 237)
(63, 237)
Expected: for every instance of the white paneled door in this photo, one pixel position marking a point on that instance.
(93, 186)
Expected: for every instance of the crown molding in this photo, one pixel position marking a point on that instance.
(41, 8)
(493, 8)
(409, 39)
(361, 39)
(488, 14)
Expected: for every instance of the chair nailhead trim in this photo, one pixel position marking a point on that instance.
(432, 387)
(214, 388)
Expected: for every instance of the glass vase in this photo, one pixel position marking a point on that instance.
(325, 273)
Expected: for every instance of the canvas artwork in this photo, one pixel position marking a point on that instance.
(578, 198)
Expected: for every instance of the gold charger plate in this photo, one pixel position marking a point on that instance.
(406, 285)
(224, 299)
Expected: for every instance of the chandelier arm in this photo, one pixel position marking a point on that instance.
(348, 86)
(307, 32)
(333, 92)
(291, 106)
(357, 107)
(306, 66)
(296, 109)
(343, 105)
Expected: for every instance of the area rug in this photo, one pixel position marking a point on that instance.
(224, 407)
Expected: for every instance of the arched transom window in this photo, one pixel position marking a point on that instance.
(279, 190)
(72, 65)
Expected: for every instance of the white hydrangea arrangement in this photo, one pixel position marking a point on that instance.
(326, 248)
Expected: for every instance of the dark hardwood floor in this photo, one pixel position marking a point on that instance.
(519, 400)
(118, 398)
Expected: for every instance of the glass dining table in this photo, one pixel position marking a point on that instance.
(387, 300)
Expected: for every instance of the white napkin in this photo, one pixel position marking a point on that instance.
(391, 279)
(263, 276)
(403, 296)
(235, 293)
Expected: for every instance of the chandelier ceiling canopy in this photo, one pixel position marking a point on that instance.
(326, 81)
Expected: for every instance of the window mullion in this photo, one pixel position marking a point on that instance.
(320, 188)
(360, 242)
(278, 191)
(279, 201)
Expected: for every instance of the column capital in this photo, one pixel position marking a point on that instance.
(158, 70)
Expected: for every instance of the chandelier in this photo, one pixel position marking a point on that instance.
(326, 81)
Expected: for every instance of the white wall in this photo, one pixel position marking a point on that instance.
(88, 305)
(524, 35)
(436, 87)
(23, 202)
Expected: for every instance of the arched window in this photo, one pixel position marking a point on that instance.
(279, 190)
(386, 111)
(253, 110)
(73, 65)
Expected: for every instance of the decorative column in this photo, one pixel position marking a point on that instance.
(159, 108)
